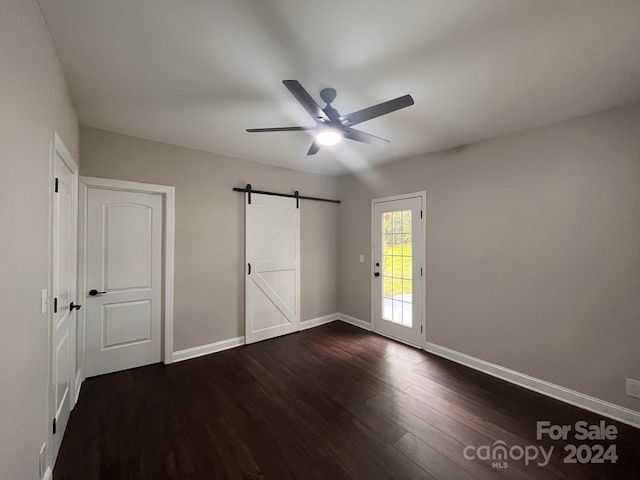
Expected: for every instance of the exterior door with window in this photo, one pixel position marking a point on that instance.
(398, 256)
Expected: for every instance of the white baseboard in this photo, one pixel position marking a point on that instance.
(207, 349)
(195, 352)
(48, 475)
(601, 407)
(316, 322)
(78, 386)
(592, 404)
(399, 340)
(354, 321)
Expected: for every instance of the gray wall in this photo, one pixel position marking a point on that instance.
(209, 256)
(34, 102)
(533, 249)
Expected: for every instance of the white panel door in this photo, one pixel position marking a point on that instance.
(124, 276)
(272, 229)
(63, 294)
(398, 250)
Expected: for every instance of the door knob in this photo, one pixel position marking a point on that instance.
(377, 274)
(73, 307)
(95, 292)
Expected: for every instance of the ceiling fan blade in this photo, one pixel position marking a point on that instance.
(305, 100)
(315, 146)
(280, 129)
(358, 136)
(376, 110)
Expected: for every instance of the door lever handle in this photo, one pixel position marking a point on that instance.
(73, 307)
(95, 292)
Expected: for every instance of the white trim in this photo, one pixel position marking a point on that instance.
(59, 146)
(403, 196)
(566, 395)
(222, 345)
(48, 475)
(78, 386)
(82, 281)
(399, 340)
(592, 404)
(215, 347)
(316, 322)
(168, 195)
(601, 407)
(125, 185)
(354, 321)
(169, 255)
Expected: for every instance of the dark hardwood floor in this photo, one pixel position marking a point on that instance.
(332, 402)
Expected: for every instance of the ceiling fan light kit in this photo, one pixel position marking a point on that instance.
(330, 126)
(328, 137)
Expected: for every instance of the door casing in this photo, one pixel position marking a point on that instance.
(168, 235)
(423, 288)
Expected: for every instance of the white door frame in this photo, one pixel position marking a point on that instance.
(423, 282)
(168, 229)
(59, 149)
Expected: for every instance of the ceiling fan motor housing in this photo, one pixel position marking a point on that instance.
(330, 125)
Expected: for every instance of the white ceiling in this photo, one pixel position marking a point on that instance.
(198, 73)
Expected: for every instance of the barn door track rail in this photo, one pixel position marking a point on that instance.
(295, 195)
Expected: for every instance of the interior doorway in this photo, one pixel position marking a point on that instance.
(126, 274)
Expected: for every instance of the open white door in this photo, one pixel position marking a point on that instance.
(272, 230)
(63, 290)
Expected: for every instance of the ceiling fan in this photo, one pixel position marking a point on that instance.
(330, 126)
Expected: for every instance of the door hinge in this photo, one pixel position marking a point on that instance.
(420, 213)
(420, 271)
(54, 426)
(55, 305)
(56, 186)
(249, 272)
(420, 328)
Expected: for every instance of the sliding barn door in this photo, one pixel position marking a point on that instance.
(272, 273)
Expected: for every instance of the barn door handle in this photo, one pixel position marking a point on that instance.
(95, 292)
(73, 307)
(249, 269)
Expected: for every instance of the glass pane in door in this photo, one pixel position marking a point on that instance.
(397, 265)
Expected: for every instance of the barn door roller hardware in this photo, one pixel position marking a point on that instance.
(295, 195)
